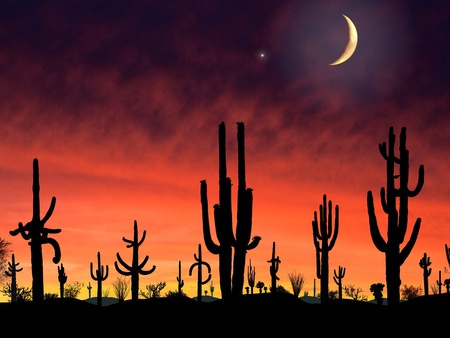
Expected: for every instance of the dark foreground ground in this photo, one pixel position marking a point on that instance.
(252, 315)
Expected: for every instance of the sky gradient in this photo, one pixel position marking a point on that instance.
(120, 101)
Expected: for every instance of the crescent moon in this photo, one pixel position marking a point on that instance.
(351, 43)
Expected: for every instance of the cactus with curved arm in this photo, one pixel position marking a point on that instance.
(224, 223)
(11, 272)
(199, 264)
(424, 263)
(324, 240)
(37, 234)
(274, 266)
(136, 268)
(397, 219)
(338, 279)
(62, 279)
(100, 275)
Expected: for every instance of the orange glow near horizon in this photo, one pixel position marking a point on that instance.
(122, 113)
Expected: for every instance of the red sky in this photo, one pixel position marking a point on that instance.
(121, 101)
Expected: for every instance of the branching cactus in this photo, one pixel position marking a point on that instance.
(179, 280)
(251, 274)
(62, 279)
(424, 263)
(274, 266)
(223, 220)
(101, 274)
(397, 219)
(89, 287)
(11, 272)
(136, 268)
(338, 276)
(447, 253)
(37, 234)
(200, 263)
(439, 283)
(324, 240)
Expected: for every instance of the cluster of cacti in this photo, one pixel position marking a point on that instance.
(37, 234)
(424, 263)
(200, 263)
(11, 272)
(62, 279)
(231, 272)
(101, 274)
(274, 266)
(324, 239)
(338, 279)
(136, 268)
(251, 274)
(397, 219)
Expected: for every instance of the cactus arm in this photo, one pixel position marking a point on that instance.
(420, 182)
(23, 230)
(145, 272)
(254, 243)
(144, 233)
(377, 239)
(404, 253)
(447, 253)
(210, 245)
(124, 264)
(336, 226)
(57, 257)
(50, 210)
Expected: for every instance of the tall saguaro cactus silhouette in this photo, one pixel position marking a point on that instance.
(230, 274)
(397, 219)
(199, 265)
(338, 279)
(324, 239)
(424, 263)
(12, 272)
(136, 268)
(180, 280)
(101, 274)
(274, 266)
(37, 234)
(62, 279)
(251, 274)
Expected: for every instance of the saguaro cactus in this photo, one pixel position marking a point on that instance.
(439, 283)
(424, 263)
(100, 275)
(324, 239)
(62, 279)
(397, 219)
(199, 265)
(338, 279)
(179, 280)
(223, 220)
(11, 272)
(37, 234)
(447, 253)
(274, 266)
(136, 268)
(251, 274)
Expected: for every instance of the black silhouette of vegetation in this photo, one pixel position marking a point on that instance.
(231, 275)
(251, 274)
(101, 274)
(37, 234)
(274, 266)
(338, 276)
(136, 268)
(62, 279)
(324, 240)
(12, 272)
(397, 219)
(424, 263)
(199, 265)
(180, 281)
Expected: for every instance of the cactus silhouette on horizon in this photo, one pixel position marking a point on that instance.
(251, 274)
(62, 279)
(424, 263)
(180, 281)
(136, 268)
(324, 240)
(12, 272)
(101, 274)
(231, 272)
(338, 276)
(199, 264)
(439, 283)
(397, 219)
(38, 235)
(274, 266)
